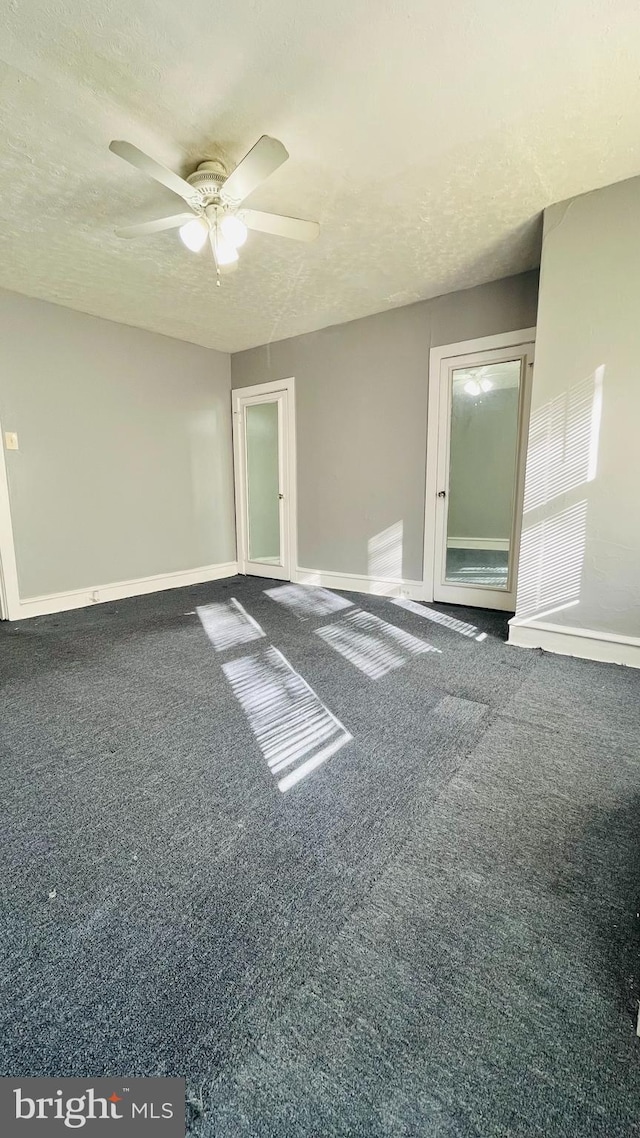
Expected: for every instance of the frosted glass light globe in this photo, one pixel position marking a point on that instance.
(194, 234)
(234, 230)
(225, 252)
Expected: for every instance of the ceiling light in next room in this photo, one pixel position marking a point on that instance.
(476, 387)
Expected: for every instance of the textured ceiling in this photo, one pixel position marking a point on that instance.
(425, 137)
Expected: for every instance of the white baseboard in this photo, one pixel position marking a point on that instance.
(586, 643)
(478, 543)
(81, 598)
(360, 583)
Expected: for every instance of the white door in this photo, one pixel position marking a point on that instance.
(264, 459)
(483, 406)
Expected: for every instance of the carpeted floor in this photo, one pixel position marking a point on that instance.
(431, 931)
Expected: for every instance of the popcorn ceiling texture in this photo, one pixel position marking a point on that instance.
(425, 139)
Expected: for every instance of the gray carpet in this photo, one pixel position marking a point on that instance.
(434, 932)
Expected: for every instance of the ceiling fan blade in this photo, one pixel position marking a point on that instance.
(280, 226)
(255, 167)
(153, 169)
(156, 226)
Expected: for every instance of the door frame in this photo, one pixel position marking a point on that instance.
(240, 396)
(507, 340)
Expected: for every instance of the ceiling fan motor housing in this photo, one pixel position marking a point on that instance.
(208, 179)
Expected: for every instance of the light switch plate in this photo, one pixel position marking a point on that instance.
(11, 440)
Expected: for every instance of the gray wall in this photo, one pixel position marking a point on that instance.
(124, 468)
(361, 403)
(482, 464)
(581, 536)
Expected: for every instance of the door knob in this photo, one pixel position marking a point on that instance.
(442, 493)
(281, 496)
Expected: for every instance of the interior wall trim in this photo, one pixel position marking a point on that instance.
(360, 583)
(586, 643)
(478, 543)
(82, 598)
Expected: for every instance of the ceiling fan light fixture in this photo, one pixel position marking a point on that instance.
(472, 387)
(233, 230)
(194, 234)
(486, 384)
(215, 202)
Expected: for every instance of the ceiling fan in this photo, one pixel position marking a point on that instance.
(214, 198)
